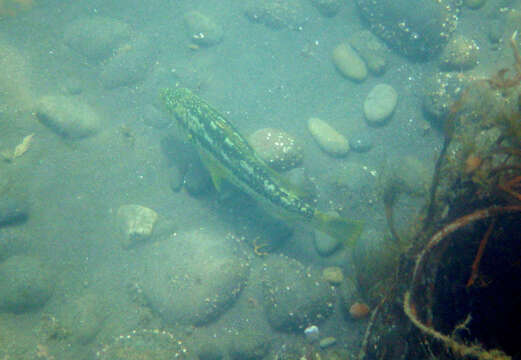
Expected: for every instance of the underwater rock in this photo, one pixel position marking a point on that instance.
(380, 103)
(67, 116)
(155, 118)
(191, 278)
(197, 180)
(349, 294)
(295, 296)
(324, 244)
(96, 37)
(12, 210)
(474, 4)
(277, 148)
(330, 140)
(202, 29)
(129, 64)
(371, 49)
(333, 275)
(417, 30)
(327, 8)
(461, 53)
(361, 142)
(82, 318)
(440, 92)
(349, 63)
(249, 344)
(145, 344)
(327, 342)
(137, 223)
(25, 284)
(277, 14)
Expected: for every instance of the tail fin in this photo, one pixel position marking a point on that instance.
(345, 231)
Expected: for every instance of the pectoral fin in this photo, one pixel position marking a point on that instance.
(217, 173)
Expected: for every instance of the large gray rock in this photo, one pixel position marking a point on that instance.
(25, 284)
(83, 317)
(295, 296)
(96, 37)
(193, 277)
(129, 65)
(417, 29)
(67, 116)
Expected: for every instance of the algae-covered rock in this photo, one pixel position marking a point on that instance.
(25, 284)
(295, 296)
(67, 116)
(192, 277)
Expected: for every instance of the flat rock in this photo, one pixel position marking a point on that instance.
(371, 49)
(380, 103)
(330, 140)
(67, 116)
(349, 63)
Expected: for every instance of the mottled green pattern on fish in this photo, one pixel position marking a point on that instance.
(217, 137)
(227, 154)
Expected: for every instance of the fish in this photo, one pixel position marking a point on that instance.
(228, 156)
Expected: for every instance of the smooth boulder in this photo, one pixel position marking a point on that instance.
(67, 116)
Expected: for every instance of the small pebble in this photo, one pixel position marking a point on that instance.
(327, 342)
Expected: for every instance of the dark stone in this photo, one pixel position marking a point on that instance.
(25, 284)
(414, 28)
(12, 210)
(361, 142)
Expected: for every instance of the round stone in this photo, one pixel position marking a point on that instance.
(330, 140)
(277, 148)
(349, 63)
(380, 104)
(69, 117)
(191, 278)
(25, 284)
(361, 142)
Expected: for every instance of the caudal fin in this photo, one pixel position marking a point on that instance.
(345, 231)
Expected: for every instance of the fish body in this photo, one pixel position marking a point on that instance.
(228, 155)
